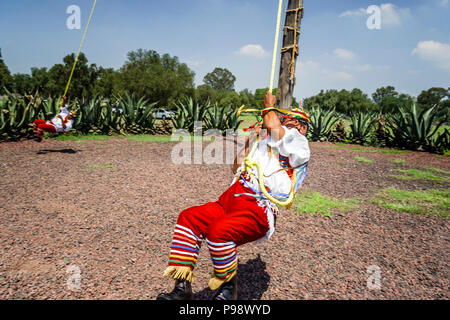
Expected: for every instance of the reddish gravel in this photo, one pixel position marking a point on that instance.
(115, 222)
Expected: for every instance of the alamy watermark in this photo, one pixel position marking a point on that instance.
(74, 280)
(374, 20)
(374, 280)
(222, 149)
(73, 22)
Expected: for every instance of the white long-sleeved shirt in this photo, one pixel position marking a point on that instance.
(57, 123)
(293, 145)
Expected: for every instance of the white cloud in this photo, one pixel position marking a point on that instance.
(436, 52)
(361, 12)
(344, 54)
(253, 50)
(192, 63)
(313, 69)
(391, 15)
(341, 75)
(308, 65)
(359, 68)
(366, 67)
(443, 3)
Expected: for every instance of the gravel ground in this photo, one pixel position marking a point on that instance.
(107, 209)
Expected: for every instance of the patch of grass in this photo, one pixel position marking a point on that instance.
(416, 174)
(363, 160)
(344, 146)
(436, 170)
(431, 201)
(398, 161)
(388, 151)
(316, 203)
(167, 138)
(87, 137)
(332, 146)
(103, 166)
(148, 138)
(248, 120)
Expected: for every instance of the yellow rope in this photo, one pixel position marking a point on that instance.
(249, 164)
(79, 49)
(282, 111)
(275, 46)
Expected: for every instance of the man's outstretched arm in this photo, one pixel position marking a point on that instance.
(271, 121)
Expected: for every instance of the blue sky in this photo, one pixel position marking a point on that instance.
(337, 51)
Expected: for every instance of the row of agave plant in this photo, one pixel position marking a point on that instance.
(119, 115)
(212, 116)
(410, 128)
(123, 115)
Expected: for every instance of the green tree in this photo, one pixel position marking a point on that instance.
(6, 80)
(39, 80)
(22, 83)
(259, 96)
(159, 78)
(104, 86)
(345, 102)
(392, 104)
(230, 99)
(247, 98)
(204, 93)
(220, 79)
(383, 92)
(28, 84)
(434, 97)
(53, 81)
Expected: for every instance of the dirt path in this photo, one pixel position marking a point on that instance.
(108, 208)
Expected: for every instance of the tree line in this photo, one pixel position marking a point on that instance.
(166, 80)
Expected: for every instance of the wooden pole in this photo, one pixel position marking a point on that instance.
(289, 54)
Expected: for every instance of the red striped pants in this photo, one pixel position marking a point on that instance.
(42, 124)
(225, 224)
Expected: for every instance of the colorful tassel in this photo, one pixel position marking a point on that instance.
(179, 273)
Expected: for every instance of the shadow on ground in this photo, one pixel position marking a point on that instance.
(66, 151)
(253, 281)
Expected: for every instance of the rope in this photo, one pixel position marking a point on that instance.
(79, 50)
(287, 202)
(248, 163)
(291, 113)
(275, 46)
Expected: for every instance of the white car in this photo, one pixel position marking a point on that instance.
(163, 114)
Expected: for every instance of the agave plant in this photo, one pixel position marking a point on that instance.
(111, 118)
(17, 114)
(414, 129)
(439, 143)
(339, 133)
(322, 121)
(215, 118)
(232, 120)
(361, 127)
(222, 118)
(189, 112)
(50, 108)
(137, 114)
(89, 118)
(381, 136)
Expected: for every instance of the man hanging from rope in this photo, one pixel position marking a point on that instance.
(243, 213)
(62, 123)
